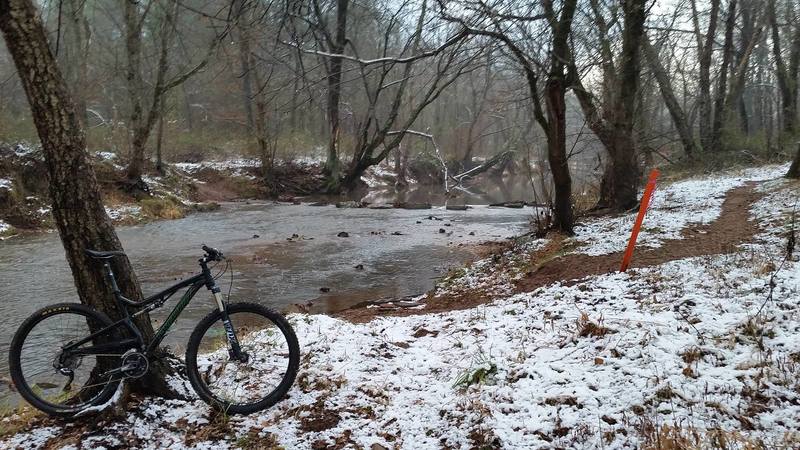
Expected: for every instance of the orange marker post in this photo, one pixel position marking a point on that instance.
(648, 194)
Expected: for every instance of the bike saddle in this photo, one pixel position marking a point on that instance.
(103, 255)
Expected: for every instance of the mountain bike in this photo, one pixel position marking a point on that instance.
(67, 359)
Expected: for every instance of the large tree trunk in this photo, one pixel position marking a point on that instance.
(671, 101)
(626, 176)
(556, 108)
(557, 152)
(620, 183)
(78, 209)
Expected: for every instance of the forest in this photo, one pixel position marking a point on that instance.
(586, 91)
(426, 201)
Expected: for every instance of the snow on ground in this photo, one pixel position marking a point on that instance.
(378, 175)
(106, 156)
(494, 276)
(5, 183)
(24, 149)
(4, 227)
(694, 349)
(123, 211)
(674, 206)
(237, 166)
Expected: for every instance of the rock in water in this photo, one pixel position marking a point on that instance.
(350, 204)
(509, 204)
(406, 205)
(343, 234)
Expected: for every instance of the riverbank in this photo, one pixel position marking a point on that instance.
(694, 350)
(185, 188)
(25, 208)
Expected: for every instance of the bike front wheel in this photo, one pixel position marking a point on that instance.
(255, 382)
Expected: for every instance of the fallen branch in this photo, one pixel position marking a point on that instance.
(435, 148)
(488, 164)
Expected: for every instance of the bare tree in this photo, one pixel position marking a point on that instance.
(78, 209)
(613, 122)
(145, 109)
(498, 24)
(705, 50)
(670, 99)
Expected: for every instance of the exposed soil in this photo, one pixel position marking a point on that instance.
(733, 227)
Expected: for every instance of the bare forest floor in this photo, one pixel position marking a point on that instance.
(542, 344)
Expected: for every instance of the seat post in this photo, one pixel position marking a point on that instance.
(111, 279)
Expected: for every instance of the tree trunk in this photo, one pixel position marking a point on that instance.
(160, 136)
(332, 165)
(78, 209)
(671, 101)
(621, 177)
(135, 87)
(556, 108)
(787, 75)
(720, 106)
(794, 169)
(243, 38)
(143, 124)
(704, 81)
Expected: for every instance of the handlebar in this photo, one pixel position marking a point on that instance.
(213, 254)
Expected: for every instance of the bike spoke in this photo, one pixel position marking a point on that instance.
(240, 383)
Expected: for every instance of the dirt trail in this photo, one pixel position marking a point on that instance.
(733, 227)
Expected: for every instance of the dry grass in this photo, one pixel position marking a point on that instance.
(670, 437)
(587, 328)
(17, 419)
(162, 208)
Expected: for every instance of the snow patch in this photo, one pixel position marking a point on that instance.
(674, 207)
(123, 211)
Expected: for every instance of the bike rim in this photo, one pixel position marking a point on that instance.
(238, 383)
(63, 382)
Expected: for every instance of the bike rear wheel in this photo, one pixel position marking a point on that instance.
(57, 382)
(236, 387)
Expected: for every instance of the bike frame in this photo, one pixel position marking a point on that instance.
(150, 304)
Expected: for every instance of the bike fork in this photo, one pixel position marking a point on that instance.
(235, 349)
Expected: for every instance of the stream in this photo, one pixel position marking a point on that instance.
(269, 265)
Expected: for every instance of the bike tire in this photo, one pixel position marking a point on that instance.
(17, 372)
(193, 351)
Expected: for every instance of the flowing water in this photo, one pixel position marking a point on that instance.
(269, 265)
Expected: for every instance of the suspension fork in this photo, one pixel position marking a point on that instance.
(235, 349)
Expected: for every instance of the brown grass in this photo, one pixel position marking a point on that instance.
(587, 328)
(669, 437)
